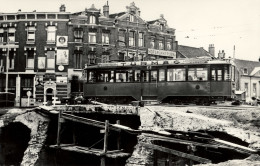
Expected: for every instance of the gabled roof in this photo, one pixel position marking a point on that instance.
(193, 52)
(251, 66)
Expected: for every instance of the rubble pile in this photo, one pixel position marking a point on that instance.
(235, 122)
(38, 126)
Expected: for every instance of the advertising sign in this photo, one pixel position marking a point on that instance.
(62, 57)
(62, 41)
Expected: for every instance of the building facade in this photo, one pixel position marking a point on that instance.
(43, 54)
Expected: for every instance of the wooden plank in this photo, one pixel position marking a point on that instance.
(179, 141)
(177, 153)
(99, 124)
(92, 151)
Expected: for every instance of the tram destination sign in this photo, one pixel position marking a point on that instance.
(160, 62)
(162, 53)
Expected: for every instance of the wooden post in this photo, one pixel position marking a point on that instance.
(73, 129)
(103, 159)
(170, 159)
(155, 158)
(118, 137)
(59, 126)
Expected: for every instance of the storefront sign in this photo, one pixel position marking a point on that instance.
(162, 53)
(28, 89)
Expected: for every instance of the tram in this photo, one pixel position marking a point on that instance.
(197, 80)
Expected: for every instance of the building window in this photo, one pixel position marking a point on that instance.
(131, 18)
(141, 39)
(245, 71)
(41, 62)
(78, 60)
(246, 89)
(50, 59)
(78, 35)
(131, 38)
(152, 43)
(31, 34)
(161, 27)
(11, 59)
(161, 46)
(30, 59)
(105, 38)
(92, 19)
(91, 59)
(1, 35)
(11, 35)
(51, 34)
(121, 37)
(92, 37)
(254, 90)
(169, 45)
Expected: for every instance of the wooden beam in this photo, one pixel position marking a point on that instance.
(179, 141)
(118, 136)
(175, 152)
(59, 127)
(103, 158)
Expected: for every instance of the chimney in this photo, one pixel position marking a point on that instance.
(212, 50)
(62, 8)
(221, 55)
(106, 10)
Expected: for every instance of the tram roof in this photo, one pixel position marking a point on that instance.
(185, 61)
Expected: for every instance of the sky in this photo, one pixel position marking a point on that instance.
(198, 23)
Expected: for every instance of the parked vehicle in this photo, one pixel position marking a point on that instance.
(200, 81)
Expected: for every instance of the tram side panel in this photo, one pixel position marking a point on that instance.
(182, 89)
(113, 90)
(220, 89)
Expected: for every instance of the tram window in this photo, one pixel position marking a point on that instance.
(145, 76)
(112, 76)
(130, 76)
(219, 74)
(121, 76)
(91, 77)
(161, 75)
(213, 75)
(176, 74)
(137, 75)
(102, 77)
(153, 76)
(198, 74)
(233, 73)
(227, 74)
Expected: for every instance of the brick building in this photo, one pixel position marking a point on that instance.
(47, 51)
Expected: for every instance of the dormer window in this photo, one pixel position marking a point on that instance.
(161, 27)
(161, 46)
(92, 19)
(245, 71)
(131, 18)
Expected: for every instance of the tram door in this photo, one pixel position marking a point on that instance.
(149, 84)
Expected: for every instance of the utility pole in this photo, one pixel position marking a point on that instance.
(7, 68)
